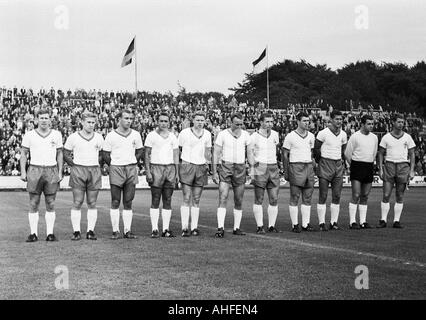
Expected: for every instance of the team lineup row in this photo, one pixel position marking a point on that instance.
(170, 159)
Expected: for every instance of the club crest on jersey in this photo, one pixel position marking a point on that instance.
(52, 143)
(98, 147)
(134, 144)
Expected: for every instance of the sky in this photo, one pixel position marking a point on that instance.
(205, 45)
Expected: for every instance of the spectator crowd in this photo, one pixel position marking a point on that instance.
(18, 109)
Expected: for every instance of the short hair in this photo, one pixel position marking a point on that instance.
(163, 114)
(43, 111)
(300, 115)
(335, 113)
(397, 116)
(365, 118)
(86, 115)
(199, 114)
(266, 114)
(120, 113)
(238, 115)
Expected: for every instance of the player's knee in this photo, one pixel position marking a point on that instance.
(77, 205)
(186, 200)
(399, 198)
(322, 199)
(355, 197)
(195, 201)
(386, 197)
(273, 202)
(258, 200)
(115, 204)
(34, 206)
(294, 200)
(363, 199)
(127, 205)
(335, 199)
(167, 204)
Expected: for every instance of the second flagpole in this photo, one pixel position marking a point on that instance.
(136, 71)
(267, 75)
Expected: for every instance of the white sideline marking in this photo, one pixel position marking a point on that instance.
(302, 243)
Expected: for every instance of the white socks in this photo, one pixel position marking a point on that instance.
(50, 221)
(334, 209)
(385, 210)
(272, 215)
(294, 212)
(352, 212)
(195, 213)
(221, 213)
(127, 220)
(238, 214)
(397, 210)
(306, 215)
(92, 216)
(184, 217)
(115, 219)
(362, 213)
(258, 214)
(321, 208)
(166, 215)
(33, 219)
(154, 214)
(75, 219)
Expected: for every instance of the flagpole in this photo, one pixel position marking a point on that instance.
(136, 71)
(267, 75)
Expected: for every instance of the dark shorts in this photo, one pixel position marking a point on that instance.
(362, 171)
(232, 173)
(42, 180)
(163, 175)
(194, 175)
(301, 174)
(266, 176)
(396, 172)
(331, 170)
(86, 178)
(122, 175)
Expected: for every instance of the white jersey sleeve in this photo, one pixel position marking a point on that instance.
(108, 143)
(70, 143)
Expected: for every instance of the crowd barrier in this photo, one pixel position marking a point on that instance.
(14, 183)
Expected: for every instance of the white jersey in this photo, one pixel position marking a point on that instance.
(42, 149)
(162, 148)
(397, 148)
(331, 147)
(362, 147)
(122, 148)
(265, 148)
(193, 147)
(300, 147)
(233, 149)
(86, 151)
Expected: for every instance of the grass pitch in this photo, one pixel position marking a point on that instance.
(315, 265)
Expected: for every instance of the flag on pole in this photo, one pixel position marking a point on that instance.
(127, 59)
(261, 57)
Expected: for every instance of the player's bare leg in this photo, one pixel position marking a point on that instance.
(195, 209)
(78, 199)
(50, 215)
(273, 208)
(185, 209)
(385, 206)
(238, 212)
(399, 195)
(92, 213)
(353, 204)
(363, 199)
(33, 216)
(166, 212)
(321, 206)
(154, 211)
(293, 207)
(221, 210)
(129, 190)
(305, 208)
(336, 192)
(258, 209)
(114, 211)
